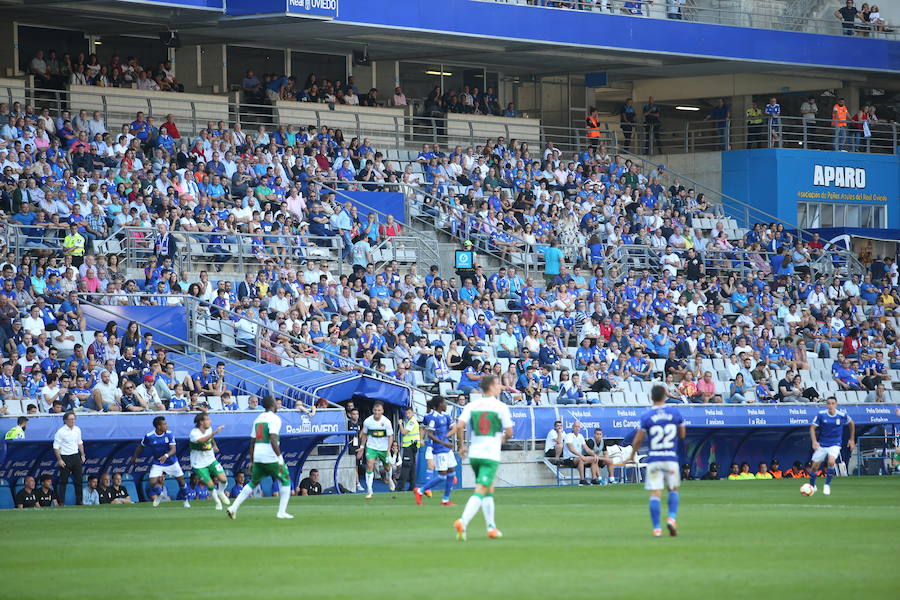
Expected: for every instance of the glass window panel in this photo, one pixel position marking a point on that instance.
(865, 216)
(801, 215)
(814, 215)
(851, 219)
(826, 217)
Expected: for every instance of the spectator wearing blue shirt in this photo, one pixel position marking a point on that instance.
(471, 375)
(845, 376)
(553, 260)
(548, 355)
(140, 128)
(129, 366)
(571, 393)
(721, 118)
(764, 392)
(739, 298)
(638, 367)
(773, 114)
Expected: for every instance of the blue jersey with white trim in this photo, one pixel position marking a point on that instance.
(441, 424)
(159, 446)
(428, 424)
(831, 427)
(661, 428)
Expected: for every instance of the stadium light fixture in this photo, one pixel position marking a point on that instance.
(443, 73)
(688, 108)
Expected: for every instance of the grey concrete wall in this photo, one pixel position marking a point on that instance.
(702, 167)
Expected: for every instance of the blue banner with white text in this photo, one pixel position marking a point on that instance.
(816, 189)
(618, 422)
(319, 9)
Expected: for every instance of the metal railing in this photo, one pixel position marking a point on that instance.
(206, 332)
(241, 252)
(461, 226)
(783, 132)
(314, 357)
(735, 14)
(296, 393)
(739, 261)
(412, 130)
(403, 248)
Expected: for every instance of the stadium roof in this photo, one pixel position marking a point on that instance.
(512, 57)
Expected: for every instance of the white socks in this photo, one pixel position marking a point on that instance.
(487, 507)
(284, 494)
(246, 492)
(471, 509)
(370, 476)
(215, 496)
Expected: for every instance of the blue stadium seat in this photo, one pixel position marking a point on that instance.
(7, 499)
(128, 484)
(172, 487)
(70, 494)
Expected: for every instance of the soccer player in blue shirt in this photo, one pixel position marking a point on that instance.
(663, 427)
(438, 429)
(826, 443)
(162, 446)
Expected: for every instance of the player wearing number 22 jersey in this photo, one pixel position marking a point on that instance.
(663, 427)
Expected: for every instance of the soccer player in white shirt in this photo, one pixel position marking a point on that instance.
(203, 458)
(266, 460)
(491, 425)
(375, 439)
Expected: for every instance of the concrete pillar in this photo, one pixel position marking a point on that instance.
(739, 105)
(187, 67)
(850, 93)
(364, 77)
(213, 68)
(202, 69)
(9, 50)
(385, 79)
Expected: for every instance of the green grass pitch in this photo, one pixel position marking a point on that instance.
(748, 539)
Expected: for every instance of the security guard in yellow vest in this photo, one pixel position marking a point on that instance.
(410, 437)
(754, 126)
(17, 432)
(73, 244)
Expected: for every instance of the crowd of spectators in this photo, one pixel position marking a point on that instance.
(52, 71)
(751, 300)
(273, 87)
(861, 21)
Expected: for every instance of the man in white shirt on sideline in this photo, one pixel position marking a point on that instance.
(69, 450)
(556, 439)
(577, 454)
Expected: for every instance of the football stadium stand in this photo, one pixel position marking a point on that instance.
(173, 246)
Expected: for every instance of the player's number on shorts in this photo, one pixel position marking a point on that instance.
(662, 437)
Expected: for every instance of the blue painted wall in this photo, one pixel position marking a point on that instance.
(505, 21)
(491, 20)
(774, 180)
